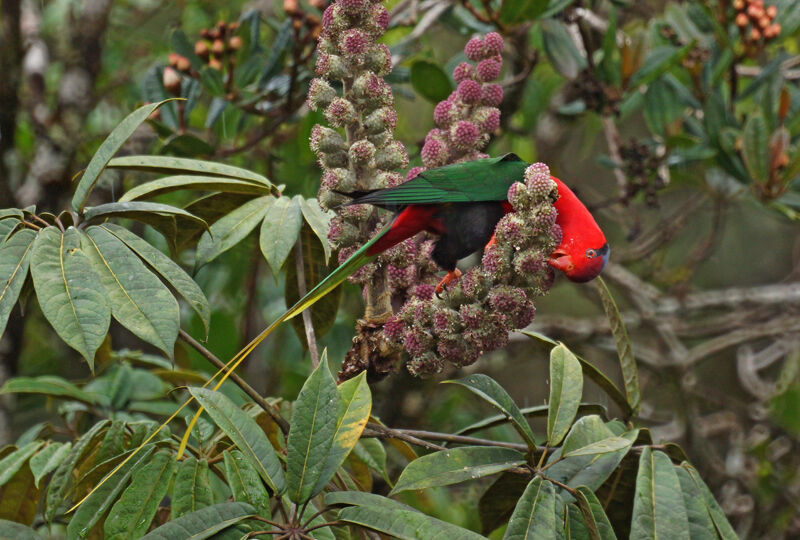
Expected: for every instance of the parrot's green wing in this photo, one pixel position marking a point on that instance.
(471, 181)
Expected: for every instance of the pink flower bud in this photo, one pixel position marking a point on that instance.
(471, 315)
(518, 195)
(493, 42)
(353, 7)
(469, 91)
(383, 119)
(434, 153)
(379, 59)
(340, 113)
(442, 113)
(488, 70)
(325, 139)
(393, 329)
(462, 72)
(413, 172)
(353, 44)
(372, 91)
(320, 94)
(423, 291)
(339, 179)
(492, 94)
(474, 49)
(511, 229)
(393, 156)
(465, 135)
(331, 66)
(361, 152)
(487, 119)
(388, 180)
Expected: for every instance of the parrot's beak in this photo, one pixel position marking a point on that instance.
(560, 260)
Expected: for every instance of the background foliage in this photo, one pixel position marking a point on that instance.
(675, 123)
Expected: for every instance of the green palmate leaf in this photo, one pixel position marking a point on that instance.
(597, 376)
(245, 433)
(498, 502)
(319, 220)
(230, 230)
(721, 523)
(279, 231)
(246, 486)
(315, 269)
(314, 422)
(131, 515)
(447, 467)
(566, 389)
(168, 270)
(168, 184)
(658, 509)
(109, 147)
(19, 497)
(192, 490)
(13, 462)
(487, 388)
(95, 506)
(139, 300)
(560, 49)
(50, 386)
(534, 518)
(175, 165)
(63, 473)
(404, 523)
(630, 373)
(605, 446)
(140, 211)
(203, 523)
(657, 63)
(14, 259)
(430, 81)
(594, 516)
(46, 461)
(66, 287)
(516, 11)
(355, 405)
(755, 148)
(11, 530)
(701, 526)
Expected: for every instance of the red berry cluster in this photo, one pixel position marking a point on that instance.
(756, 21)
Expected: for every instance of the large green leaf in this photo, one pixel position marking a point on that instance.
(192, 490)
(315, 269)
(14, 259)
(566, 389)
(604, 446)
(246, 486)
(487, 388)
(96, 505)
(46, 461)
(139, 300)
(230, 230)
(517, 11)
(11, 530)
(534, 518)
(456, 465)
(314, 423)
(404, 524)
(630, 372)
(13, 462)
(107, 150)
(355, 405)
(62, 476)
(279, 231)
(245, 434)
(50, 386)
(19, 497)
(175, 165)
(66, 287)
(658, 509)
(319, 220)
(203, 523)
(756, 148)
(131, 515)
(168, 270)
(560, 49)
(701, 526)
(430, 81)
(724, 528)
(140, 211)
(168, 184)
(593, 514)
(373, 454)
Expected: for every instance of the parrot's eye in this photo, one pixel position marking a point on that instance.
(591, 254)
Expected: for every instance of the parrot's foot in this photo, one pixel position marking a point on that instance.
(450, 277)
(492, 241)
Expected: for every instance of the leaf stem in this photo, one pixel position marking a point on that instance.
(308, 324)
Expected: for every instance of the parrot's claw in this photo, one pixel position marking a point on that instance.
(450, 277)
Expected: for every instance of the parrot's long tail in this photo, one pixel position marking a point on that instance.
(342, 272)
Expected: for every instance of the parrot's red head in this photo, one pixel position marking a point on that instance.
(584, 251)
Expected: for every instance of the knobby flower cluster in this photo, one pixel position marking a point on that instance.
(366, 155)
(489, 301)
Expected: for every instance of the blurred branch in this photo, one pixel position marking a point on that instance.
(11, 68)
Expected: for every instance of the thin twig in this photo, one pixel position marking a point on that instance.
(311, 338)
(460, 439)
(241, 383)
